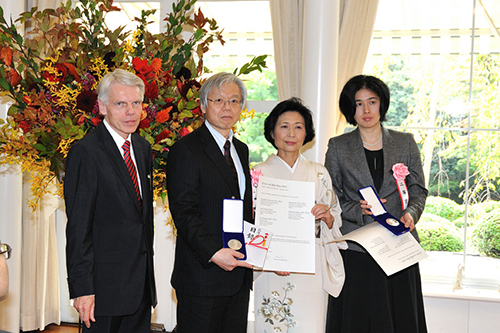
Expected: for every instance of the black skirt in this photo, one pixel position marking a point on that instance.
(372, 302)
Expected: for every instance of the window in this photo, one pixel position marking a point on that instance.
(443, 69)
(246, 36)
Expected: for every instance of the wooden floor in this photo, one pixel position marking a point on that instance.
(64, 328)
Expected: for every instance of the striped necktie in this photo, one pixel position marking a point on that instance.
(131, 169)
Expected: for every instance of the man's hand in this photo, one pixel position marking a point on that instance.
(227, 259)
(85, 307)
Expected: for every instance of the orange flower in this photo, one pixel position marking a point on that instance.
(156, 65)
(13, 77)
(6, 55)
(163, 115)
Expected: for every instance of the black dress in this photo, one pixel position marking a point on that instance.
(370, 301)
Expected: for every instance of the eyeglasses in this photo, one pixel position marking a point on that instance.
(218, 103)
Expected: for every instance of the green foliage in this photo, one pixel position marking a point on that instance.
(444, 208)
(438, 234)
(460, 222)
(433, 91)
(261, 84)
(251, 131)
(486, 235)
(480, 209)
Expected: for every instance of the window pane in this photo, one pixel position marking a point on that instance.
(130, 10)
(422, 50)
(246, 36)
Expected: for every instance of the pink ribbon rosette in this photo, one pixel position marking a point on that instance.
(255, 175)
(400, 171)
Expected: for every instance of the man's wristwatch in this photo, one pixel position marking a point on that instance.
(5, 250)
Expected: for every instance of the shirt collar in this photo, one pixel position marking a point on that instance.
(219, 138)
(116, 137)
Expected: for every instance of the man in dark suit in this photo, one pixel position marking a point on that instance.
(212, 285)
(109, 205)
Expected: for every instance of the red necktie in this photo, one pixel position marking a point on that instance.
(229, 160)
(131, 169)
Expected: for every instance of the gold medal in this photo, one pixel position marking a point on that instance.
(234, 244)
(392, 222)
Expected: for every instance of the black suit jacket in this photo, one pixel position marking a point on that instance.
(109, 250)
(198, 179)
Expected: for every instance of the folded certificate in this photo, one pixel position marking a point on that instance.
(257, 242)
(232, 225)
(380, 214)
(393, 253)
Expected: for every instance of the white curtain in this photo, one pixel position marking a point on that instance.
(40, 303)
(356, 21)
(43, 4)
(287, 22)
(40, 275)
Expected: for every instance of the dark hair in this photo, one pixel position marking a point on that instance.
(293, 104)
(347, 101)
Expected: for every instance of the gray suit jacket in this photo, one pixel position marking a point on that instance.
(346, 163)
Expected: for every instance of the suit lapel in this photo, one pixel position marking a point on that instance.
(215, 155)
(356, 152)
(111, 150)
(390, 158)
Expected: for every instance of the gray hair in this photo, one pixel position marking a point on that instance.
(120, 76)
(216, 81)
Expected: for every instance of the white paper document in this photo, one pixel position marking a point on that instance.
(284, 208)
(393, 253)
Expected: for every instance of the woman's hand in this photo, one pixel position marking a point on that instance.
(282, 273)
(365, 207)
(322, 212)
(408, 221)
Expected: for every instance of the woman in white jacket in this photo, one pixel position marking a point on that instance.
(297, 302)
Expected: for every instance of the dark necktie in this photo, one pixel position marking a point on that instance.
(229, 160)
(131, 169)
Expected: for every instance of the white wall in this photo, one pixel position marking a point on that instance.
(452, 315)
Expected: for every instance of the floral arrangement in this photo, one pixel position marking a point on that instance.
(51, 74)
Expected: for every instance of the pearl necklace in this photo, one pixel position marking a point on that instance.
(372, 144)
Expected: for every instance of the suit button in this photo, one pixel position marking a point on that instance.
(144, 253)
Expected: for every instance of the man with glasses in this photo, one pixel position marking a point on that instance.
(203, 168)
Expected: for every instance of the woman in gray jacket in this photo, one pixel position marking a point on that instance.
(373, 155)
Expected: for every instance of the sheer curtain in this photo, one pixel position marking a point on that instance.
(40, 269)
(357, 19)
(355, 22)
(287, 21)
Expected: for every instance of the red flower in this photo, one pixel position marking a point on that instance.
(80, 120)
(151, 92)
(141, 67)
(25, 126)
(197, 111)
(96, 121)
(185, 131)
(144, 123)
(86, 101)
(163, 135)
